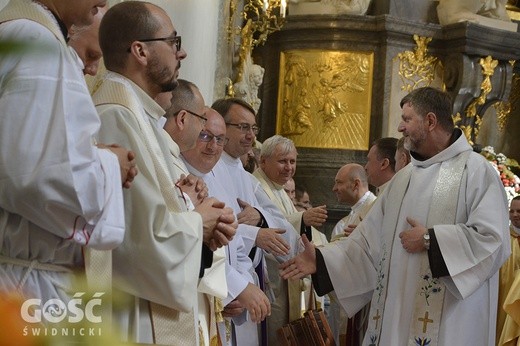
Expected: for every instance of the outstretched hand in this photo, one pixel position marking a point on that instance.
(301, 265)
(315, 216)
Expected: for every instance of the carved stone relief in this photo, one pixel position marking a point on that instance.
(324, 98)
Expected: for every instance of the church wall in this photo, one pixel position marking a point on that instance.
(198, 24)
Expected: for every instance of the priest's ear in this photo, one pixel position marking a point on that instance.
(385, 163)
(180, 119)
(356, 183)
(140, 52)
(431, 120)
(175, 121)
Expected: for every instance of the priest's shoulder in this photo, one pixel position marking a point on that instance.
(26, 30)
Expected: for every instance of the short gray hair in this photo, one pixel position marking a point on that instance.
(270, 144)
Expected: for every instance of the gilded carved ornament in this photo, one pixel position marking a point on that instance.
(259, 19)
(417, 68)
(488, 65)
(504, 108)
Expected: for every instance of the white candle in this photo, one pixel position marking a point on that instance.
(266, 5)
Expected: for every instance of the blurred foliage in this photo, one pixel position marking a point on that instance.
(16, 47)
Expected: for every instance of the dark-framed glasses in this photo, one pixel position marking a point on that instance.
(176, 40)
(245, 128)
(208, 137)
(202, 118)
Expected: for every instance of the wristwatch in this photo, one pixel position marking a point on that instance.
(426, 238)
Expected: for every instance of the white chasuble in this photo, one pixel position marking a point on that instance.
(159, 260)
(473, 247)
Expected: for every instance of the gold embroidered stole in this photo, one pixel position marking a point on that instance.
(429, 299)
(294, 287)
(169, 326)
(27, 9)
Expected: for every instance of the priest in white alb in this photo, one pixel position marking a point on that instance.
(185, 117)
(203, 161)
(257, 209)
(158, 263)
(60, 193)
(427, 254)
(277, 166)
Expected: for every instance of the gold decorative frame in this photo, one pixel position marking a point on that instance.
(488, 65)
(504, 108)
(324, 98)
(417, 68)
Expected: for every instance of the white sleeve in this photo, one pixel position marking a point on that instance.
(51, 173)
(238, 268)
(108, 233)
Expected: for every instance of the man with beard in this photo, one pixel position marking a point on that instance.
(427, 254)
(159, 260)
(60, 192)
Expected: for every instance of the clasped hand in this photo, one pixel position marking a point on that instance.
(194, 187)
(249, 215)
(219, 223)
(127, 165)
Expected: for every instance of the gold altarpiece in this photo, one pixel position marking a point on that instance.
(324, 98)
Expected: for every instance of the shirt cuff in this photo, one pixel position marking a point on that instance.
(437, 263)
(321, 279)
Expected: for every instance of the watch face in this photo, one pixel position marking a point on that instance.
(426, 236)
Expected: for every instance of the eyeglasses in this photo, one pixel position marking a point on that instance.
(208, 137)
(174, 39)
(245, 128)
(203, 119)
